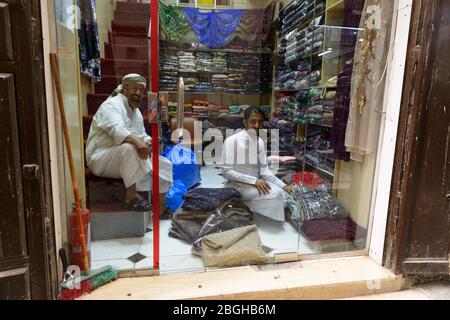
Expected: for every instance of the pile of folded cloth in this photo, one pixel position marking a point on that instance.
(286, 131)
(266, 73)
(204, 62)
(220, 62)
(252, 76)
(223, 111)
(190, 83)
(267, 109)
(213, 110)
(320, 111)
(199, 107)
(206, 211)
(202, 86)
(187, 62)
(172, 107)
(234, 110)
(219, 81)
(188, 109)
(297, 13)
(297, 79)
(235, 82)
(168, 73)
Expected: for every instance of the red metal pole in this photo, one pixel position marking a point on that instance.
(154, 25)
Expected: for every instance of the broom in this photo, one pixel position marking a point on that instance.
(73, 288)
(101, 276)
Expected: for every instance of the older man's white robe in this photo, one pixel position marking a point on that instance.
(108, 156)
(243, 164)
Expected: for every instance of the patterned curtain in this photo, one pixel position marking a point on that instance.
(88, 40)
(173, 22)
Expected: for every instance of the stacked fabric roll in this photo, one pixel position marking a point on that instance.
(223, 111)
(213, 110)
(188, 110)
(219, 81)
(220, 62)
(251, 78)
(235, 82)
(266, 73)
(297, 13)
(297, 79)
(199, 108)
(187, 62)
(169, 66)
(172, 106)
(204, 62)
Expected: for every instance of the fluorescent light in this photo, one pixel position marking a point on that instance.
(324, 53)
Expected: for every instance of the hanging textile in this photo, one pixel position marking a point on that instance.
(215, 28)
(173, 22)
(88, 40)
(352, 18)
(368, 79)
(255, 24)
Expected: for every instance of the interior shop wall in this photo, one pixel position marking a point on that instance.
(69, 68)
(353, 182)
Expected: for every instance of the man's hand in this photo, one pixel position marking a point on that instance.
(143, 150)
(262, 186)
(289, 189)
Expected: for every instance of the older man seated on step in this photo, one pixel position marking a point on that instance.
(119, 147)
(245, 167)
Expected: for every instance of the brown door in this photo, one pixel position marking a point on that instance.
(418, 228)
(27, 256)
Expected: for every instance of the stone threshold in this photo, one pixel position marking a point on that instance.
(333, 278)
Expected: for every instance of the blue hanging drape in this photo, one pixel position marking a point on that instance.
(213, 29)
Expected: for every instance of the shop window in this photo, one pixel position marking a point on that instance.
(317, 78)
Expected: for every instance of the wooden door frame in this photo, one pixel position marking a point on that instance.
(412, 113)
(34, 146)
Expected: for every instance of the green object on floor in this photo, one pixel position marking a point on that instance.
(98, 277)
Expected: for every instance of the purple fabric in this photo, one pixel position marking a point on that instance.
(352, 17)
(331, 229)
(255, 23)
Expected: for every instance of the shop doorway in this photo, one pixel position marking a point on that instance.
(298, 70)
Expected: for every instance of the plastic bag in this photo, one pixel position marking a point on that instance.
(314, 205)
(185, 167)
(186, 174)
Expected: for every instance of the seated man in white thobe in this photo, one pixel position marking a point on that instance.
(119, 147)
(245, 167)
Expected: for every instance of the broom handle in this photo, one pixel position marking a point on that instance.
(55, 72)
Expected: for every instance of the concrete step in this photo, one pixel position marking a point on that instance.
(331, 278)
(118, 224)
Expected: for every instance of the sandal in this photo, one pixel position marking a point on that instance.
(138, 203)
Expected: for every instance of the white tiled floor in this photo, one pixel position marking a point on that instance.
(176, 256)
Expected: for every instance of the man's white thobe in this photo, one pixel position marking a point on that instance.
(108, 156)
(245, 161)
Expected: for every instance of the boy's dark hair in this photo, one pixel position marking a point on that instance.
(253, 109)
